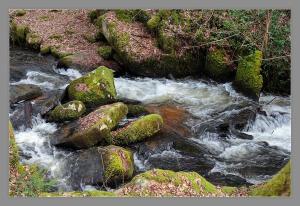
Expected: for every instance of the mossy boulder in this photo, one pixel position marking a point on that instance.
(140, 53)
(95, 88)
(138, 130)
(91, 129)
(166, 183)
(217, 65)
(110, 165)
(118, 164)
(57, 53)
(92, 193)
(68, 111)
(105, 51)
(248, 78)
(279, 185)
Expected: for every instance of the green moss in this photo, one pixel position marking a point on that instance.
(168, 182)
(95, 88)
(166, 42)
(57, 53)
(100, 37)
(93, 193)
(90, 38)
(93, 15)
(57, 37)
(14, 152)
(229, 190)
(105, 52)
(69, 32)
(248, 78)
(136, 110)
(118, 163)
(44, 18)
(279, 185)
(217, 65)
(153, 22)
(45, 49)
(138, 130)
(69, 111)
(20, 12)
(33, 41)
(18, 33)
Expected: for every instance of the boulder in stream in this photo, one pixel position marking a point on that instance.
(99, 165)
(159, 183)
(21, 92)
(138, 130)
(95, 88)
(91, 129)
(68, 111)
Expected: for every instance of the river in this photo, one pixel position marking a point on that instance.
(221, 144)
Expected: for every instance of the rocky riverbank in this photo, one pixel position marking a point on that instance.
(98, 133)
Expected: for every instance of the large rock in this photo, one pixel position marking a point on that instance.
(139, 51)
(138, 130)
(68, 111)
(95, 88)
(248, 78)
(161, 183)
(92, 129)
(24, 92)
(98, 165)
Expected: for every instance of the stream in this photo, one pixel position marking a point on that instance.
(222, 135)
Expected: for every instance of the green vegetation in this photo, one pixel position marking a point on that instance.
(25, 180)
(248, 78)
(138, 130)
(33, 41)
(105, 51)
(279, 185)
(132, 15)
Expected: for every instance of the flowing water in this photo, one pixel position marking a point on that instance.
(219, 154)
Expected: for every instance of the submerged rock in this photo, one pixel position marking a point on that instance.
(99, 165)
(95, 88)
(138, 130)
(135, 110)
(68, 111)
(23, 92)
(91, 129)
(160, 183)
(248, 78)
